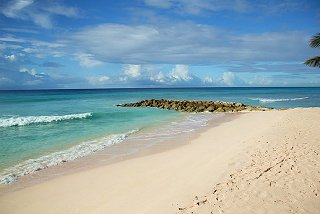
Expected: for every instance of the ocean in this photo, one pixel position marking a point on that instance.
(43, 128)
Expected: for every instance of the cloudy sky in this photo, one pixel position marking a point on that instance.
(157, 43)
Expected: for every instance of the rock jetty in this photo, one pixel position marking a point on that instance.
(195, 106)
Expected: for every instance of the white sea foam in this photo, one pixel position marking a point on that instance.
(27, 167)
(23, 121)
(169, 131)
(173, 129)
(265, 100)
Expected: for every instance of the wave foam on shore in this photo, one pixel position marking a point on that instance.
(78, 151)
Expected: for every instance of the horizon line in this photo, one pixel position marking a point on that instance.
(196, 87)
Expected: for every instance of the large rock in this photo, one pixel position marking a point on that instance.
(195, 106)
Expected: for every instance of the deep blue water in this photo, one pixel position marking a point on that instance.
(74, 123)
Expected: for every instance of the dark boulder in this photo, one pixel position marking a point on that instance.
(195, 106)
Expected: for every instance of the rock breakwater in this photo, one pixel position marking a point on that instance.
(195, 106)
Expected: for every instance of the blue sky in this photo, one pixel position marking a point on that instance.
(157, 43)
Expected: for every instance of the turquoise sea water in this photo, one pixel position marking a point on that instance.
(39, 129)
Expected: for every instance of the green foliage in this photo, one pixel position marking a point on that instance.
(313, 62)
(314, 43)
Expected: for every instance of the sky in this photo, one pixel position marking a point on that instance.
(48, 44)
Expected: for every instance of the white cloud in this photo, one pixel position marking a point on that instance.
(88, 60)
(228, 78)
(62, 10)
(180, 73)
(10, 46)
(110, 41)
(177, 43)
(5, 80)
(39, 12)
(132, 71)
(159, 3)
(11, 58)
(200, 7)
(259, 81)
(19, 30)
(209, 80)
(37, 48)
(29, 50)
(186, 43)
(159, 77)
(32, 72)
(99, 80)
(103, 78)
(197, 7)
(12, 39)
(14, 8)
(41, 19)
(24, 70)
(281, 6)
(33, 82)
(155, 75)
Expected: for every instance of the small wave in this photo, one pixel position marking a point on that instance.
(265, 100)
(186, 125)
(84, 149)
(23, 121)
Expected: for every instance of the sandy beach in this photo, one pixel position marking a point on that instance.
(259, 162)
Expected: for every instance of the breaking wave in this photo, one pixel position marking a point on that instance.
(29, 166)
(27, 120)
(265, 100)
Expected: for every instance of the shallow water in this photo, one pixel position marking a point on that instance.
(39, 129)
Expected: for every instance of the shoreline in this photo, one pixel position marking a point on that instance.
(176, 178)
(130, 148)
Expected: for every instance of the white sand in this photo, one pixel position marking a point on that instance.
(273, 159)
